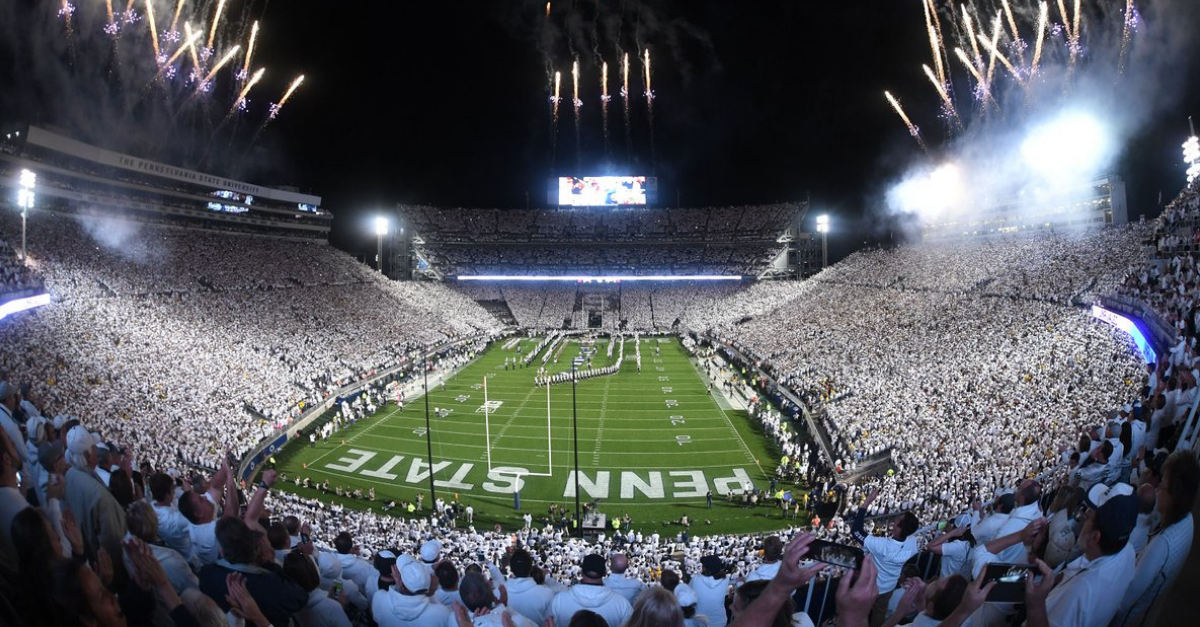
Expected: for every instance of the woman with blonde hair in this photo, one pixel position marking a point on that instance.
(656, 607)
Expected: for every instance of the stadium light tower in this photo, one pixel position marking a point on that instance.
(25, 201)
(428, 430)
(381, 229)
(823, 229)
(1191, 154)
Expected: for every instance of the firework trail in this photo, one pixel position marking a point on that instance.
(1074, 42)
(991, 47)
(1016, 33)
(183, 47)
(997, 55)
(944, 61)
(650, 111)
(1043, 18)
(934, 43)
(250, 49)
(1066, 18)
(65, 12)
(153, 28)
(290, 90)
(1126, 33)
(108, 6)
(981, 88)
(604, 98)
(547, 10)
(178, 10)
(625, 102)
(1078, 12)
(229, 57)
(912, 129)
(969, 24)
(578, 104)
(212, 31)
(240, 103)
(947, 103)
(575, 87)
(554, 100)
(191, 45)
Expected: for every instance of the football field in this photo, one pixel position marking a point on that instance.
(650, 444)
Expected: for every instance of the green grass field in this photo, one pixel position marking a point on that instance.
(650, 445)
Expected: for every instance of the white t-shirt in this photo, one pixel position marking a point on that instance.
(954, 557)
(1091, 590)
(205, 549)
(890, 556)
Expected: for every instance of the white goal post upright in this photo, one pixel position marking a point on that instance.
(549, 439)
(487, 433)
(487, 423)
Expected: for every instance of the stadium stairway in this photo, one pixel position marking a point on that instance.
(499, 310)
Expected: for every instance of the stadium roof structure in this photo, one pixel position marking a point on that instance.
(74, 176)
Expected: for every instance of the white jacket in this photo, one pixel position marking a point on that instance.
(711, 593)
(392, 609)
(528, 599)
(603, 601)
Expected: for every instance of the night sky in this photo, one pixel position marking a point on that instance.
(446, 103)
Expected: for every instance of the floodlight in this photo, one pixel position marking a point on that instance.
(381, 225)
(823, 223)
(1191, 156)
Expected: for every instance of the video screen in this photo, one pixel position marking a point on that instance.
(596, 191)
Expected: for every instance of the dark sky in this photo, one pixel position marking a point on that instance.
(445, 103)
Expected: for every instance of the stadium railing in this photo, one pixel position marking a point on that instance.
(782, 391)
(1162, 334)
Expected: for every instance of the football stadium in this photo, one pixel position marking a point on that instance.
(652, 313)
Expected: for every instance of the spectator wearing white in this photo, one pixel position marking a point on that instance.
(1159, 563)
(201, 511)
(12, 502)
(407, 603)
(590, 594)
(354, 568)
(321, 609)
(711, 588)
(1093, 585)
(1148, 518)
(628, 587)
(173, 528)
(525, 596)
(889, 554)
(8, 405)
(101, 518)
(1027, 509)
(953, 546)
(430, 552)
(447, 584)
(687, 603)
(144, 524)
(772, 551)
(477, 595)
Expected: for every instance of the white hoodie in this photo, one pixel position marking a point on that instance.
(711, 593)
(607, 603)
(392, 609)
(528, 599)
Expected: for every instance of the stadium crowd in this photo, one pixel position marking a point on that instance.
(170, 349)
(704, 224)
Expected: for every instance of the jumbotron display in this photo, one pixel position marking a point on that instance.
(596, 191)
